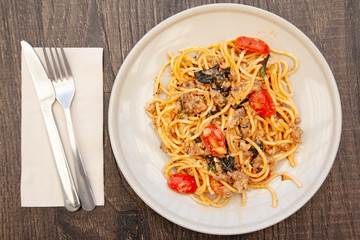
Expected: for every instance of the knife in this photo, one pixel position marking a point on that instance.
(46, 96)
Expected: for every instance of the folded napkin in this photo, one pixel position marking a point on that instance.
(40, 184)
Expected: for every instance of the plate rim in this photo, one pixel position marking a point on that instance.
(215, 8)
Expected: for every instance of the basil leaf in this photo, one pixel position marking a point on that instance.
(227, 164)
(207, 76)
(182, 103)
(215, 78)
(240, 105)
(263, 68)
(211, 165)
(254, 150)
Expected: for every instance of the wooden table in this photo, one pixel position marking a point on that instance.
(333, 25)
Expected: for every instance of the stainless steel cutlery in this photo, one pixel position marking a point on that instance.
(58, 83)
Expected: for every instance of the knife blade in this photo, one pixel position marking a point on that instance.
(46, 95)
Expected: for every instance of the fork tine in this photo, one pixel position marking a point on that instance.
(67, 66)
(48, 65)
(60, 64)
(56, 72)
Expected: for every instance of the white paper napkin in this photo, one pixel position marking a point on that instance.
(40, 184)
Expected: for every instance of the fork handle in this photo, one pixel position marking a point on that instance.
(71, 199)
(83, 184)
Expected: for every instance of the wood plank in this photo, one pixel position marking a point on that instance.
(333, 212)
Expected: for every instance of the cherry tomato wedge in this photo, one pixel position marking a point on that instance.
(262, 103)
(252, 44)
(182, 183)
(214, 140)
(216, 186)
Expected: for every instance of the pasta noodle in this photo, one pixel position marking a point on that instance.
(210, 122)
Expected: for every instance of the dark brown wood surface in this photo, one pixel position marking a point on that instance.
(333, 25)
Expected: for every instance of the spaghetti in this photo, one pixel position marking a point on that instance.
(226, 118)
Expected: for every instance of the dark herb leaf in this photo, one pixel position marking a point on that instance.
(214, 112)
(225, 72)
(182, 103)
(211, 164)
(263, 68)
(237, 106)
(254, 150)
(208, 75)
(227, 163)
(198, 140)
(245, 100)
(240, 105)
(215, 78)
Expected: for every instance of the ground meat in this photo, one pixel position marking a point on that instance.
(296, 135)
(244, 146)
(230, 98)
(233, 77)
(297, 120)
(258, 84)
(178, 106)
(199, 85)
(218, 98)
(241, 180)
(222, 176)
(245, 127)
(270, 151)
(151, 108)
(236, 119)
(214, 110)
(226, 192)
(284, 147)
(194, 103)
(215, 60)
(272, 60)
(237, 165)
(188, 85)
(259, 134)
(216, 122)
(271, 162)
(247, 154)
(221, 189)
(197, 149)
(192, 84)
(257, 162)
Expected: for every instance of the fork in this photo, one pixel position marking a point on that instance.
(61, 77)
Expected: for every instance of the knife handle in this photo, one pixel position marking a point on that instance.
(71, 198)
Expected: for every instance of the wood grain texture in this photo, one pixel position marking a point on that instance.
(333, 25)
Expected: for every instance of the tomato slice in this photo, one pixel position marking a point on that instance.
(214, 140)
(252, 44)
(262, 103)
(216, 186)
(182, 183)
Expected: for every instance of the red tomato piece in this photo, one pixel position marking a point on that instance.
(216, 186)
(182, 183)
(252, 44)
(262, 103)
(214, 140)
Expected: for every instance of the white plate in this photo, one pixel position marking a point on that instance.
(136, 145)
